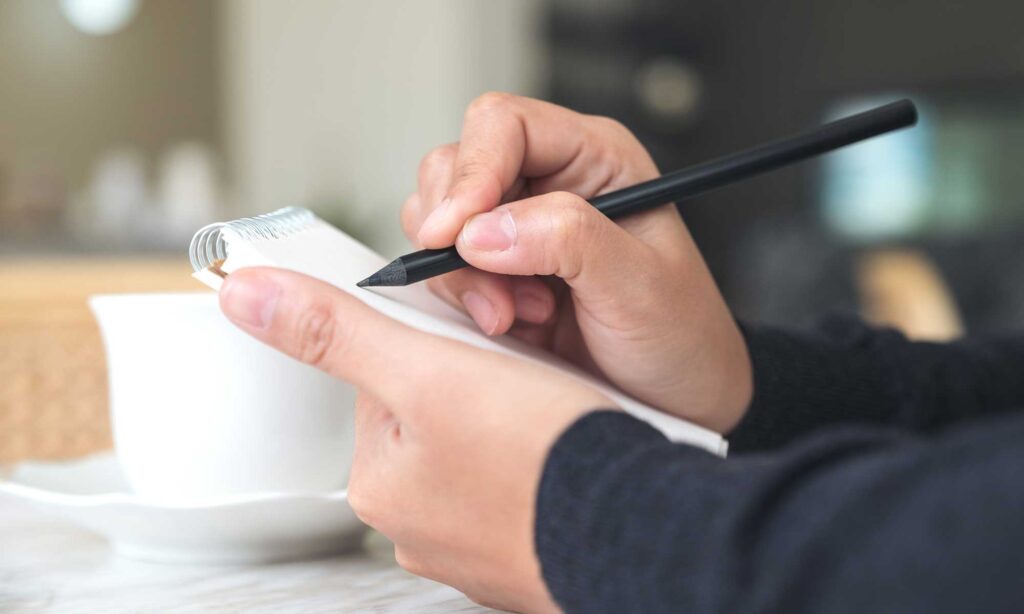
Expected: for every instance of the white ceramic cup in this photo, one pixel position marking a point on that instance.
(201, 410)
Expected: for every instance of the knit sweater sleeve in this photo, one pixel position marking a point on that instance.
(848, 373)
(853, 519)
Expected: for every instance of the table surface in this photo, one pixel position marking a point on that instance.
(47, 564)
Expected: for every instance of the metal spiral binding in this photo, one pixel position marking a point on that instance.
(208, 245)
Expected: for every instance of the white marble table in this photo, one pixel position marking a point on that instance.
(49, 565)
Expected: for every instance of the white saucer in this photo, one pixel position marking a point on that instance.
(236, 529)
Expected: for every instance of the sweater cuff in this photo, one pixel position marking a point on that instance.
(588, 458)
(841, 373)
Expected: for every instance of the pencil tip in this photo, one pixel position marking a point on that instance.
(391, 275)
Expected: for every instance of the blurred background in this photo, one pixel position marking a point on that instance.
(127, 124)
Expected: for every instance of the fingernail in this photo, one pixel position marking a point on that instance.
(481, 310)
(530, 307)
(437, 218)
(494, 231)
(250, 302)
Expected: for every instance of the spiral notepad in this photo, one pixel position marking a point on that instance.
(295, 239)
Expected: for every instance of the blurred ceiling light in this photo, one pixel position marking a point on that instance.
(99, 17)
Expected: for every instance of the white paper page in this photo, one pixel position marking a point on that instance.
(324, 252)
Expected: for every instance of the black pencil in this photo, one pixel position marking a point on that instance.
(685, 183)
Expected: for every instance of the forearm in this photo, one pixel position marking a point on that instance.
(855, 521)
(847, 372)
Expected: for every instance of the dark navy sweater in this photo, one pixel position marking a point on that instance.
(870, 474)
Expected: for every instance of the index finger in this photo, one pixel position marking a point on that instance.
(504, 137)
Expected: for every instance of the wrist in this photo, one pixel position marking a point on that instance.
(721, 400)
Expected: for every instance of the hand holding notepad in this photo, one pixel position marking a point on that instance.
(297, 240)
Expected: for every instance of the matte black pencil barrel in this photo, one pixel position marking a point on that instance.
(685, 183)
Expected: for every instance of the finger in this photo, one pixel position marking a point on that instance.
(534, 300)
(319, 324)
(599, 166)
(558, 234)
(503, 137)
(534, 334)
(435, 175)
(411, 217)
(493, 301)
(496, 302)
(486, 297)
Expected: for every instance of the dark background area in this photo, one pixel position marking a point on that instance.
(767, 69)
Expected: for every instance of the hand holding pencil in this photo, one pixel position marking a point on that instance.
(631, 300)
(685, 183)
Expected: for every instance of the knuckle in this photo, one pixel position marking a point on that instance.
(490, 102)
(610, 126)
(318, 333)
(565, 219)
(485, 600)
(437, 162)
(360, 501)
(442, 288)
(572, 219)
(409, 214)
(409, 562)
(615, 140)
(480, 174)
(471, 168)
(568, 201)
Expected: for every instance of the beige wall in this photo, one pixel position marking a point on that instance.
(67, 97)
(331, 103)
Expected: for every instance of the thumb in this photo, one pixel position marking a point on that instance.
(556, 234)
(320, 325)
